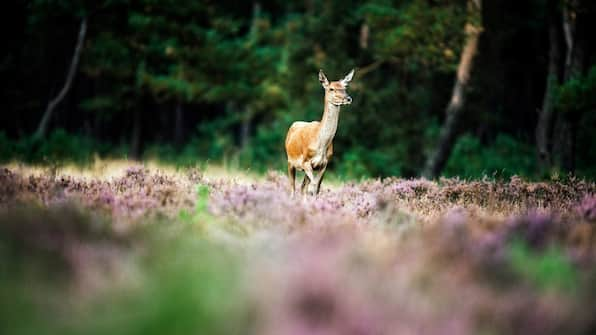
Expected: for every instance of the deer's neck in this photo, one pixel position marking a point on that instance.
(328, 126)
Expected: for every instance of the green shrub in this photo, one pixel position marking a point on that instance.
(358, 162)
(504, 157)
(6, 148)
(546, 270)
(179, 284)
(61, 146)
(58, 147)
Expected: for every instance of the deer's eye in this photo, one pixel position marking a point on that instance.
(331, 89)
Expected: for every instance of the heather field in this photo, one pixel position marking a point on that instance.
(121, 248)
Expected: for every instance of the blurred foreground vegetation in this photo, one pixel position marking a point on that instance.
(133, 250)
(194, 81)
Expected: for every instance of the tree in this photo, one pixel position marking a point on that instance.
(544, 126)
(437, 160)
(576, 31)
(72, 70)
(230, 77)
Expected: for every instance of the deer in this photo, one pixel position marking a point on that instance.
(309, 145)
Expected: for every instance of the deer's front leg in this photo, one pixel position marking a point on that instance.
(305, 183)
(320, 178)
(311, 185)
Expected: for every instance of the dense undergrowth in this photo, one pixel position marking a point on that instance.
(503, 158)
(148, 251)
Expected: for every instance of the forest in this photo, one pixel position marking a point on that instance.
(190, 81)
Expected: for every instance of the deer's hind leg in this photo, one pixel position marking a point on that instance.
(292, 177)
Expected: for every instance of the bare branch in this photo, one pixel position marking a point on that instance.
(43, 125)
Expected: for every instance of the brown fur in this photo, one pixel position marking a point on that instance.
(298, 141)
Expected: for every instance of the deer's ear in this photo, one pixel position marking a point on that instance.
(348, 78)
(323, 79)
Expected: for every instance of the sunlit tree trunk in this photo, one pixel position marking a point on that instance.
(42, 128)
(364, 35)
(438, 159)
(544, 128)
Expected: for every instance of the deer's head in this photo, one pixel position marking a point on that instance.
(335, 91)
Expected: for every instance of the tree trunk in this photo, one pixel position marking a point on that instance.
(364, 36)
(178, 127)
(245, 128)
(47, 115)
(135, 141)
(544, 126)
(437, 160)
(565, 127)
